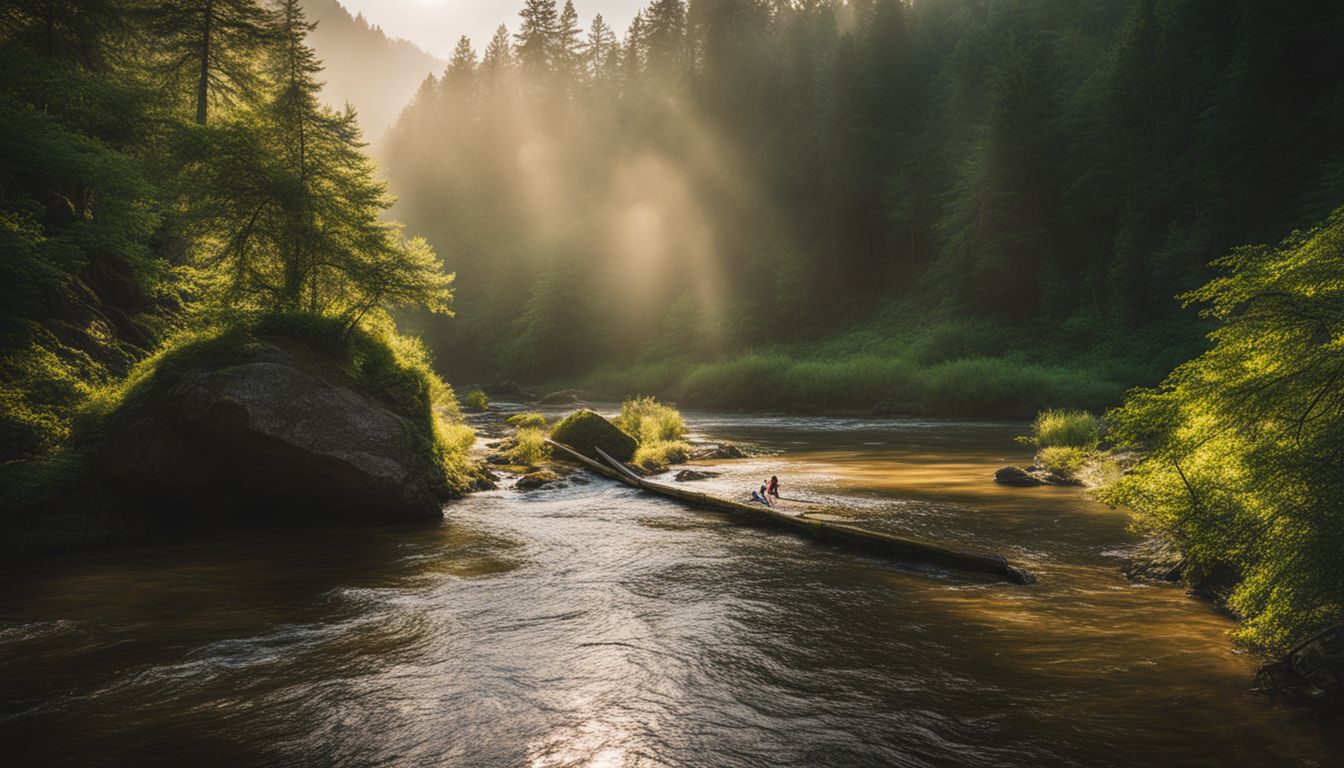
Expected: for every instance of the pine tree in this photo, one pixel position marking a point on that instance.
(213, 45)
(665, 33)
(569, 47)
(290, 210)
(538, 36)
(601, 50)
(463, 62)
(499, 52)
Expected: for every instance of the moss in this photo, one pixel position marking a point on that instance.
(582, 430)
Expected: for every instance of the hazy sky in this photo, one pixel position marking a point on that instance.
(435, 25)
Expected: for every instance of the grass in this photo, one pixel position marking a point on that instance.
(475, 400)
(1066, 429)
(529, 447)
(946, 367)
(658, 455)
(1063, 459)
(650, 421)
(528, 420)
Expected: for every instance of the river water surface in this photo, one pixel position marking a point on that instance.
(593, 626)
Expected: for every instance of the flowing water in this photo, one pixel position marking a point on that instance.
(593, 626)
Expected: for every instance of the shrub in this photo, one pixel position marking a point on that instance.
(582, 430)
(475, 400)
(1062, 459)
(658, 455)
(1069, 429)
(529, 447)
(650, 421)
(528, 420)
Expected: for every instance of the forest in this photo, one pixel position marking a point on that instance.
(958, 207)
(942, 207)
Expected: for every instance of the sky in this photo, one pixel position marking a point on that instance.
(435, 25)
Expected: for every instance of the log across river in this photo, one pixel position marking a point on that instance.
(848, 536)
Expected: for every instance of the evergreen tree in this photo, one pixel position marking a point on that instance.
(569, 44)
(289, 208)
(538, 37)
(601, 50)
(499, 52)
(463, 62)
(212, 46)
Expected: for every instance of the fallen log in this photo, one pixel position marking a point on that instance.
(854, 537)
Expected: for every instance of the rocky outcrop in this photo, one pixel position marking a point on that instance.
(535, 480)
(689, 475)
(584, 430)
(508, 391)
(1030, 477)
(563, 397)
(271, 433)
(716, 452)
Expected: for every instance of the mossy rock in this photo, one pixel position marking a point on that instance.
(582, 430)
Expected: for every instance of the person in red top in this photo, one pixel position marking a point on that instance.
(773, 488)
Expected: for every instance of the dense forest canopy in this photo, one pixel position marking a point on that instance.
(736, 173)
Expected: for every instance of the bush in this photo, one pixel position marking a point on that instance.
(658, 455)
(529, 447)
(475, 400)
(1063, 459)
(528, 420)
(1067, 429)
(650, 421)
(584, 430)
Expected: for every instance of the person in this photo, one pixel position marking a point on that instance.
(760, 496)
(773, 490)
(765, 493)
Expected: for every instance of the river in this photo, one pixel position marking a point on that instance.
(594, 626)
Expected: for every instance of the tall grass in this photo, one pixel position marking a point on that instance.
(1066, 429)
(527, 420)
(529, 447)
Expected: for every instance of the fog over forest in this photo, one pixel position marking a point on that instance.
(942, 180)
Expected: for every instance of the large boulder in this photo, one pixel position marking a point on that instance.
(584, 430)
(275, 432)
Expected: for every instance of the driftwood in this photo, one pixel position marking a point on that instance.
(871, 542)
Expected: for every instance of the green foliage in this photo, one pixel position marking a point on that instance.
(528, 420)
(529, 447)
(476, 400)
(583, 430)
(834, 376)
(1063, 459)
(1066, 429)
(650, 421)
(1241, 445)
(658, 455)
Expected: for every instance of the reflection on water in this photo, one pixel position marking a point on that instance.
(591, 626)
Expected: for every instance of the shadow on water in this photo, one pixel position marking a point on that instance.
(595, 626)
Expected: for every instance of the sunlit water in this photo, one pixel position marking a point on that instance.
(593, 626)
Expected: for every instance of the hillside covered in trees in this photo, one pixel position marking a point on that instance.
(958, 205)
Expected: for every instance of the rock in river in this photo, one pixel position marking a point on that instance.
(274, 432)
(1017, 477)
(688, 475)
